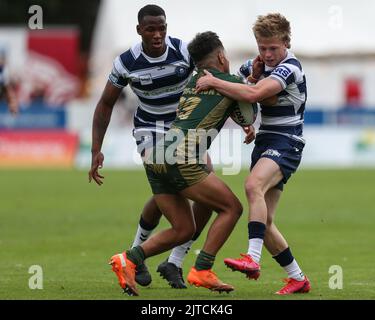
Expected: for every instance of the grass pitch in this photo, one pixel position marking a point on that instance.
(57, 220)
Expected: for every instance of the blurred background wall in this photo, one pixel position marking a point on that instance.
(60, 70)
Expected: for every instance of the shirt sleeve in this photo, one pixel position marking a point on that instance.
(285, 74)
(116, 77)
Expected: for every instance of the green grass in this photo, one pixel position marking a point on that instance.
(57, 220)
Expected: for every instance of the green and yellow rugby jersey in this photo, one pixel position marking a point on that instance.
(200, 117)
(206, 110)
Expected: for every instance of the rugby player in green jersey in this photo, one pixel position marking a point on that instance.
(176, 172)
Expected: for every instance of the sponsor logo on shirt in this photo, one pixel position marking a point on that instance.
(181, 71)
(145, 79)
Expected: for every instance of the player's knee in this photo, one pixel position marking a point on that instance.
(185, 233)
(237, 208)
(253, 188)
(231, 206)
(186, 236)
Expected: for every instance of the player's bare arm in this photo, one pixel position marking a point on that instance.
(264, 89)
(102, 117)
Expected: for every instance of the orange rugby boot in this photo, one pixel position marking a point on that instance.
(207, 279)
(125, 272)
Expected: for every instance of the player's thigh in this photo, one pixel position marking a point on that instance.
(213, 193)
(264, 175)
(176, 209)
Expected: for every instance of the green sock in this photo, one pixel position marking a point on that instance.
(204, 261)
(136, 255)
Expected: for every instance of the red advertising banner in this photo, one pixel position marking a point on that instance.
(61, 45)
(52, 148)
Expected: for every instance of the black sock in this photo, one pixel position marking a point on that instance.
(145, 225)
(284, 258)
(256, 229)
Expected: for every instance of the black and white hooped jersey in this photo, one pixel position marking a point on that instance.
(157, 82)
(286, 116)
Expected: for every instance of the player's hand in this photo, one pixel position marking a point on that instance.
(96, 164)
(205, 82)
(257, 67)
(250, 134)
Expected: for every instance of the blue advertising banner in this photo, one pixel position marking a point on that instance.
(342, 116)
(36, 116)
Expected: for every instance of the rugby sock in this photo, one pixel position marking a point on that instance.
(256, 235)
(204, 261)
(143, 232)
(290, 265)
(178, 254)
(136, 255)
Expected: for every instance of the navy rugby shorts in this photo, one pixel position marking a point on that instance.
(286, 152)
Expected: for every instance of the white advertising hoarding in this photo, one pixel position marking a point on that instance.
(329, 147)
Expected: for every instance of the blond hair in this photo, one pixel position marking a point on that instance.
(272, 25)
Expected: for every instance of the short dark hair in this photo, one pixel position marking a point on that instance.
(203, 44)
(150, 10)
